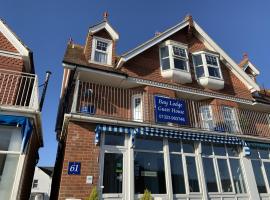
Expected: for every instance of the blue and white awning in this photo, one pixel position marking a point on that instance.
(189, 135)
(110, 128)
(168, 133)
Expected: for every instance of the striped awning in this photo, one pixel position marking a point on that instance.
(258, 144)
(168, 133)
(189, 135)
(110, 128)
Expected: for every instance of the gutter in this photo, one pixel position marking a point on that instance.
(82, 118)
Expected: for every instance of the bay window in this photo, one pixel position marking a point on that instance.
(101, 51)
(207, 70)
(10, 147)
(174, 61)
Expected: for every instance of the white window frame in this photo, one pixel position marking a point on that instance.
(226, 157)
(203, 55)
(134, 97)
(205, 122)
(234, 119)
(170, 44)
(108, 51)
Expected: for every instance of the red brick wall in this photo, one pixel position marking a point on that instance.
(146, 66)
(13, 64)
(80, 147)
(88, 45)
(6, 45)
(28, 168)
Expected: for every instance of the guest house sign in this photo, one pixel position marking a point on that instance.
(170, 110)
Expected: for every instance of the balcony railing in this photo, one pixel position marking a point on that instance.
(118, 103)
(18, 89)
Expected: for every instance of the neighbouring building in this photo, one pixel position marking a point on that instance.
(41, 186)
(20, 120)
(175, 115)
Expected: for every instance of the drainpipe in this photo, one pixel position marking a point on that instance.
(48, 74)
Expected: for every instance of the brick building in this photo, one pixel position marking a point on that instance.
(175, 115)
(20, 121)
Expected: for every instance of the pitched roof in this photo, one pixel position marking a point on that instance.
(104, 25)
(23, 50)
(245, 62)
(74, 55)
(47, 170)
(206, 39)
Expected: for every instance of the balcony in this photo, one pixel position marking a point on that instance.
(18, 90)
(138, 106)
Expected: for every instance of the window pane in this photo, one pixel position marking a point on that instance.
(165, 63)
(174, 146)
(210, 175)
(180, 64)
(178, 181)
(219, 149)
(192, 174)
(100, 57)
(207, 148)
(224, 175)
(197, 60)
(188, 147)
(257, 168)
(137, 108)
(254, 153)
(11, 139)
(211, 60)
(206, 117)
(238, 178)
(155, 144)
(164, 52)
(113, 173)
(199, 71)
(149, 173)
(267, 170)
(232, 150)
(102, 46)
(264, 153)
(179, 52)
(117, 139)
(8, 174)
(213, 71)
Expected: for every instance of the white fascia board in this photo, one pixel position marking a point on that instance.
(130, 54)
(254, 69)
(235, 68)
(13, 39)
(107, 26)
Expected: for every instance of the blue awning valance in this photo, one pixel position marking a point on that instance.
(169, 133)
(110, 128)
(23, 122)
(258, 144)
(189, 135)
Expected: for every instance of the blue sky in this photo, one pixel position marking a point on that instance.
(45, 26)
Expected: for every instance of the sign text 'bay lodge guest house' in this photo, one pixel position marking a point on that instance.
(175, 115)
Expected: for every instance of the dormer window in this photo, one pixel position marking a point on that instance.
(101, 51)
(174, 62)
(207, 70)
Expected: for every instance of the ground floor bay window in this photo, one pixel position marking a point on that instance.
(169, 168)
(10, 147)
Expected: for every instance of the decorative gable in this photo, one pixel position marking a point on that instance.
(100, 44)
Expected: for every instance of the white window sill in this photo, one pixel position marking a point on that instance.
(177, 75)
(211, 83)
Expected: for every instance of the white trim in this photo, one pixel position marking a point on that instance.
(10, 54)
(107, 26)
(232, 65)
(130, 54)
(252, 67)
(108, 51)
(134, 97)
(12, 38)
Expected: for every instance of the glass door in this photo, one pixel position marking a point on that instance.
(113, 176)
